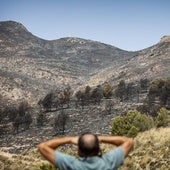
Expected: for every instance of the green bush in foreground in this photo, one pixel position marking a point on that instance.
(163, 118)
(134, 122)
(131, 123)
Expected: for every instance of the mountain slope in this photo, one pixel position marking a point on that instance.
(30, 66)
(34, 66)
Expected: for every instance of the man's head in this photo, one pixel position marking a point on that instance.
(88, 145)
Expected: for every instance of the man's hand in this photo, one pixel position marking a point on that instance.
(47, 148)
(124, 142)
(74, 140)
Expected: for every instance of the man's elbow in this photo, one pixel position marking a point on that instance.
(41, 146)
(46, 152)
(131, 142)
(127, 146)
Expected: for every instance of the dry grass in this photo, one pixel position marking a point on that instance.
(151, 152)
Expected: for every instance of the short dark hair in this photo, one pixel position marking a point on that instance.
(86, 148)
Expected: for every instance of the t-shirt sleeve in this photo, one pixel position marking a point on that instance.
(63, 161)
(115, 157)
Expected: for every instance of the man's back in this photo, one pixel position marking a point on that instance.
(88, 151)
(110, 161)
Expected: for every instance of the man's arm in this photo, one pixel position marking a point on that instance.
(47, 148)
(124, 142)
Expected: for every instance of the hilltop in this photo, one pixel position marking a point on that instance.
(30, 66)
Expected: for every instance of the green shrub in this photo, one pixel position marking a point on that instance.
(120, 126)
(133, 131)
(131, 123)
(163, 118)
(107, 91)
(156, 85)
(138, 120)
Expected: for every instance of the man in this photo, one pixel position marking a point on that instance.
(90, 157)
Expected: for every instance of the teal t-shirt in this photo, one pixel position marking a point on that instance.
(109, 161)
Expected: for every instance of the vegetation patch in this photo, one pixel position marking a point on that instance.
(151, 151)
(131, 123)
(134, 122)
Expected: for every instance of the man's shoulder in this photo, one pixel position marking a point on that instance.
(118, 151)
(111, 159)
(114, 157)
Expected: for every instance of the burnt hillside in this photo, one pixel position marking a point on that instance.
(31, 66)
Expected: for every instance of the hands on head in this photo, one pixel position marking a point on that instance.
(48, 148)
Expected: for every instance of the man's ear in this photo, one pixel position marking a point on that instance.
(100, 152)
(79, 152)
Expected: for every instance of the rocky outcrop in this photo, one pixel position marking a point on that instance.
(165, 38)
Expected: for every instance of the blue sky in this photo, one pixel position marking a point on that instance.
(127, 24)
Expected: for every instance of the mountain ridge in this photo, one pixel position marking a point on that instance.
(13, 25)
(31, 66)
